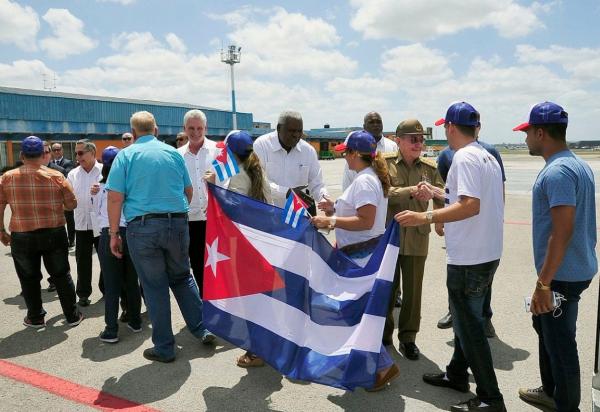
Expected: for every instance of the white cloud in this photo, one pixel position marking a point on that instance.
(415, 64)
(421, 20)
(19, 25)
(24, 74)
(582, 63)
(177, 45)
(67, 35)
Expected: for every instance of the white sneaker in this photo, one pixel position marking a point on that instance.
(537, 396)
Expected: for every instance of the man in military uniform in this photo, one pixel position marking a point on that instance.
(407, 169)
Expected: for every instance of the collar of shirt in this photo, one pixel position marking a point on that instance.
(205, 146)
(401, 159)
(276, 145)
(144, 139)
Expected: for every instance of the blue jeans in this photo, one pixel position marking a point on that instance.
(28, 249)
(119, 273)
(467, 289)
(559, 360)
(159, 250)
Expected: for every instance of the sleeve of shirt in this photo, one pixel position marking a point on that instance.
(187, 180)
(116, 177)
(365, 193)
(468, 175)
(315, 177)
(67, 191)
(3, 200)
(560, 185)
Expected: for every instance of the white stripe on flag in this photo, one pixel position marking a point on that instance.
(296, 217)
(289, 215)
(294, 325)
(302, 260)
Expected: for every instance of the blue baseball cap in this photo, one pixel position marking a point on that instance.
(32, 145)
(108, 155)
(461, 113)
(544, 113)
(360, 141)
(239, 141)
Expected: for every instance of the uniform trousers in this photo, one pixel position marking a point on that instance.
(410, 269)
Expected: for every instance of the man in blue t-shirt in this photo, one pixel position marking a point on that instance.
(564, 241)
(444, 162)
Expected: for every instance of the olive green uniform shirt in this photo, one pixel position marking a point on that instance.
(414, 241)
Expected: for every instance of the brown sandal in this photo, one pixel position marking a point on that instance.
(250, 360)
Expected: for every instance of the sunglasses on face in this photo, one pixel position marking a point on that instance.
(126, 138)
(415, 139)
(81, 152)
(179, 139)
(56, 150)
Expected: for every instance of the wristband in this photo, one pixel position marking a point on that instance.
(113, 234)
(540, 286)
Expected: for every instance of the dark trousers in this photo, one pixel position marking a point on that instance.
(85, 241)
(467, 289)
(410, 270)
(119, 274)
(196, 251)
(28, 249)
(559, 360)
(70, 218)
(487, 304)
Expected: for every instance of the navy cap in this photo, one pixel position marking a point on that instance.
(461, 113)
(360, 141)
(108, 155)
(239, 141)
(544, 113)
(32, 145)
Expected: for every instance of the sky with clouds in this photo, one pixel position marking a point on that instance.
(332, 60)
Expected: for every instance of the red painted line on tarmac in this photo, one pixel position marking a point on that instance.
(65, 389)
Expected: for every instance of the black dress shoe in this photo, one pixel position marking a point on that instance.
(439, 379)
(398, 302)
(51, 287)
(84, 302)
(445, 322)
(476, 405)
(150, 354)
(410, 350)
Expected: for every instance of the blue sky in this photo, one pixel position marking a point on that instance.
(332, 60)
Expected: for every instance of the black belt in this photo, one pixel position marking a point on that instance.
(356, 247)
(159, 216)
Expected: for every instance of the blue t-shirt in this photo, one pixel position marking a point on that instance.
(566, 180)
(444, 160)
(152, 176)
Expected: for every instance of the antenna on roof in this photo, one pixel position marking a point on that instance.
(49, 84)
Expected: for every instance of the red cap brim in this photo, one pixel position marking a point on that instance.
(221, 144)
(340, 147)
(522, 127)
(440, 122)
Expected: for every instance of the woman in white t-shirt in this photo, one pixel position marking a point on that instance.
(359, 218)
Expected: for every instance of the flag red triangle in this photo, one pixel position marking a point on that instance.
(222, 156)
(240, 269)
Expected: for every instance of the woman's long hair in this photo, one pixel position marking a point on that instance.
(252, 166)
(105, 172)
(380, 168)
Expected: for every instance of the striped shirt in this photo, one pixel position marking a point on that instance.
(36, 196)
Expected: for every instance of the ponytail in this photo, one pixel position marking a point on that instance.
(380, 168)
(252, 167)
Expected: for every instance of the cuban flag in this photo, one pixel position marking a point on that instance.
(294, 209)
(291, 298)
(225, 164)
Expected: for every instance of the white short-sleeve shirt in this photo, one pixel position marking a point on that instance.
(478, 239)
(366, 189)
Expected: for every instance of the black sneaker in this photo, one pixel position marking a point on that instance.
(84, 302)
(109, 337)
(445, 322)
(134, 329)
(39, 324)
(476, 405)
(410, 350)
(440, 379)
(77, 321)
(150, 354)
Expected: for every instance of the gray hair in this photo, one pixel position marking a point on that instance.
(127, 134)
(289, 115)
(194, 114)
(88, 145)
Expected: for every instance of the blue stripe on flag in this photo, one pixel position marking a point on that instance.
(218, 170)
(356, 369)
(324, 310)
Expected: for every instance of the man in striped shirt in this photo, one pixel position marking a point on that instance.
(38, 197)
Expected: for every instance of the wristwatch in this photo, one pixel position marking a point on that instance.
(332, 221)
(429, 216)
(539, 285)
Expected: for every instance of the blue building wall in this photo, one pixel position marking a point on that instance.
(71, 116)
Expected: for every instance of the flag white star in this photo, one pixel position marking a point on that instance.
(214, 256)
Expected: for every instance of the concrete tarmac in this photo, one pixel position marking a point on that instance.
(206, 378)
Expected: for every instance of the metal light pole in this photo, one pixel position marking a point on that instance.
(232, 56)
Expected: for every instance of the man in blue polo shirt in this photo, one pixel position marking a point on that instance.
(150, 182)
(564, 241)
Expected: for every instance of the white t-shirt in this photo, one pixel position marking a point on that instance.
(365, 190)
(100, 211)
(384, 145)
(478, 239)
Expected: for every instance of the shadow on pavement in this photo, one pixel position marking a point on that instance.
(18, 300)
(29, 341)
(504, 355)
(97, 351)
(251, 393)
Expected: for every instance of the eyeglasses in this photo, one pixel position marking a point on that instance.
(415, 139)
(81, 152)
(56, 150)
(126, 138)
(179, 139)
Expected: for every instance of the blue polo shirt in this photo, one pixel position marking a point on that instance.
(444, 160)
(152, 176)
(566, 180)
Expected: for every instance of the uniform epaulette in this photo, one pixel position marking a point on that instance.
(390, 155)
(428, 162)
